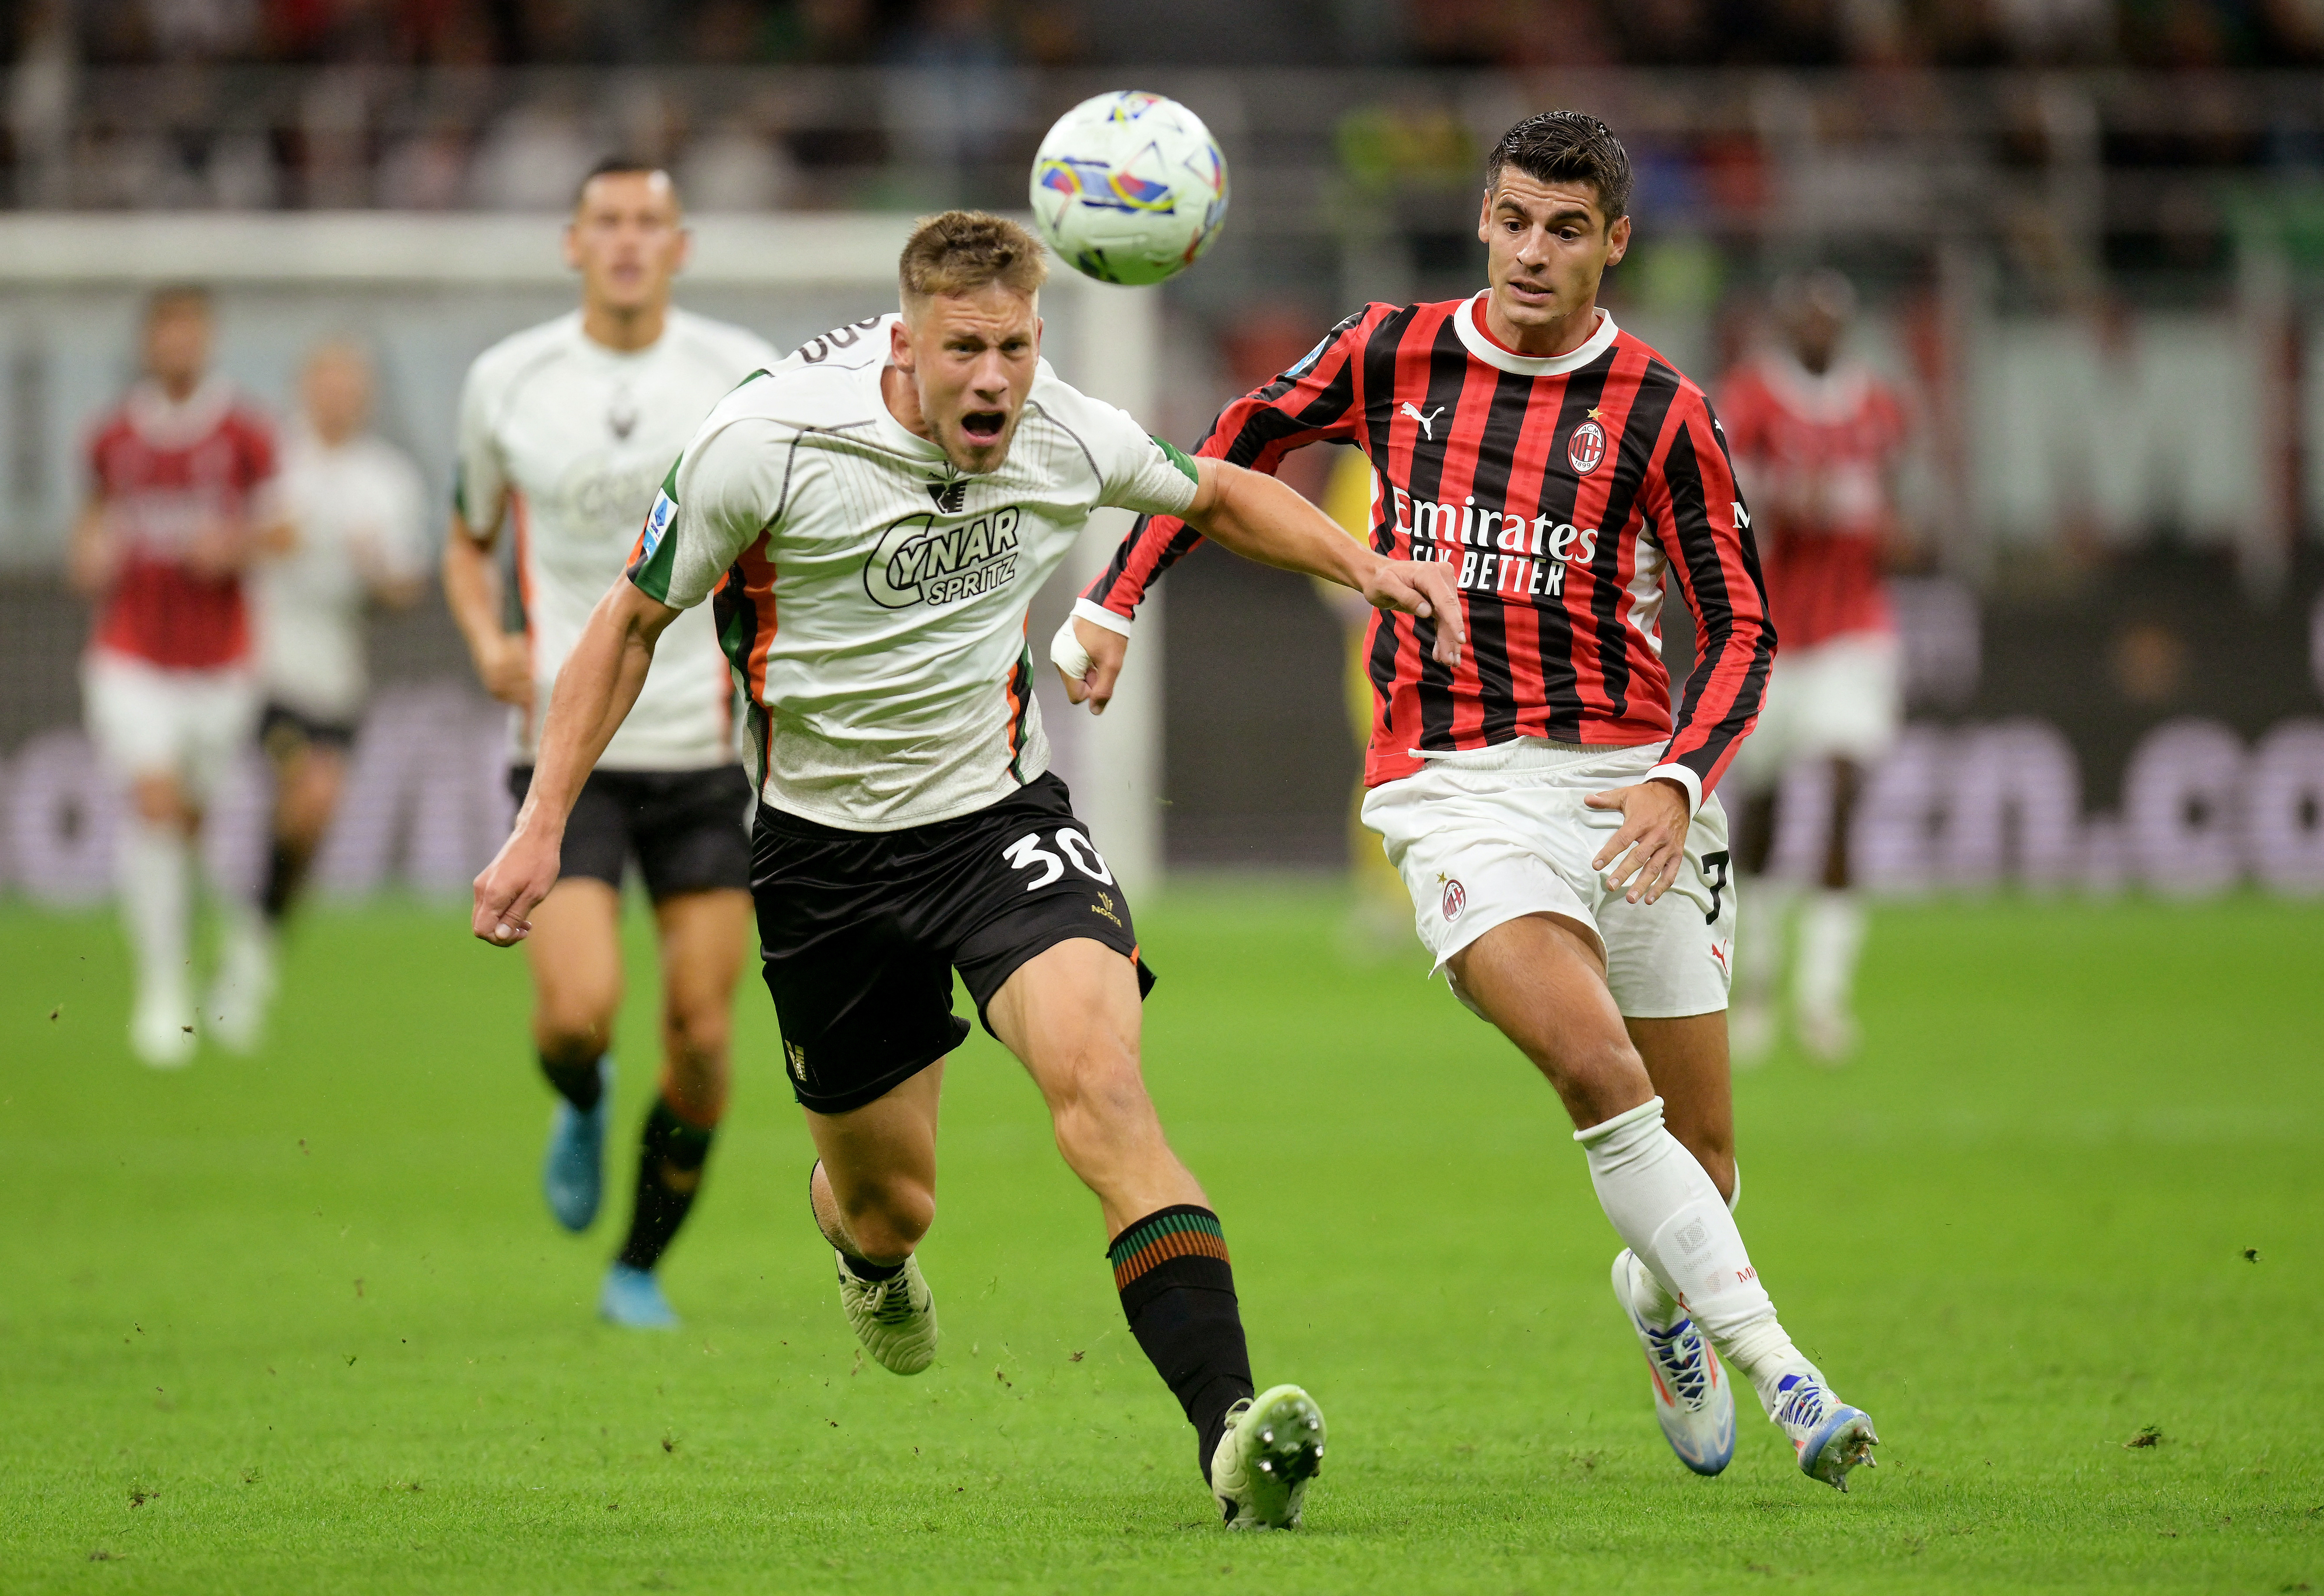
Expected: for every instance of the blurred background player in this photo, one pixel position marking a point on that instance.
(353, 503)
(179, 508)
(1815, 436)
(567, 431)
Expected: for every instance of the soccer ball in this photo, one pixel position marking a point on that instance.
(1129, 187)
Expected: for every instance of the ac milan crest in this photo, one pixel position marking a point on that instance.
(1456, 898)
(1586, 448)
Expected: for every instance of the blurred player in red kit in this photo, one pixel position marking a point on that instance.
(180, 506)
(1816, 436)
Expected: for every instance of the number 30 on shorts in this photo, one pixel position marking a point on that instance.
(1027, 853)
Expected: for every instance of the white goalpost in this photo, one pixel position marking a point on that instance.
(428, 292)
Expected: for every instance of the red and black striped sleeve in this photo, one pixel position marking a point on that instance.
(1696, 504)
(1320, 397)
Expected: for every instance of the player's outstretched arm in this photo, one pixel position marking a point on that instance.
(596, 687)
(1268, 522)
(1315, 400)
(1260, 519)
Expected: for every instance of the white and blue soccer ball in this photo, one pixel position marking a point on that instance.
(1129, 187)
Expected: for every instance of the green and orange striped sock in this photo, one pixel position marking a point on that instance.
(1177, 1292)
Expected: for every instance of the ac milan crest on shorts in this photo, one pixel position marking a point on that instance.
(1487, 837)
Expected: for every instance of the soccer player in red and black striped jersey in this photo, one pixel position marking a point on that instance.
(1817, 435)
(1548, 803)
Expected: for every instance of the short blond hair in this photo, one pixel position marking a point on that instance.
(962, 251)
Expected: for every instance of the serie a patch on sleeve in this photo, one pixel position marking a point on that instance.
(658, 519)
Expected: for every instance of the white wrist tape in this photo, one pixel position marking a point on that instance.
(1066, 651)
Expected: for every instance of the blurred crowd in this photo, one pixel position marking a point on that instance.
(1515, 34)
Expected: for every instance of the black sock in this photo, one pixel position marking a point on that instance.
(286, 869)
(1177, 1291)
(667, 1147)
(862, 1268)
(579, 1084)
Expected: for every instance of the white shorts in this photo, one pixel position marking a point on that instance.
(1841, 699)
(149, 720)
(1482, 838)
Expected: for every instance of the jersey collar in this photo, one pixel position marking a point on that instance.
(166, 423)
(1831, 397)
(1469, 322)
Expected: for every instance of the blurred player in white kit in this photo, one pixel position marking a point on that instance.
(567, 431)
(180, 503)
(1816, 436)
(355, 504)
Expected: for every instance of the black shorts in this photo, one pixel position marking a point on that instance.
(688, 830)
(283, 732)
(860, 931)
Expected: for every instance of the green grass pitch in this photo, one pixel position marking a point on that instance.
(300, 1323)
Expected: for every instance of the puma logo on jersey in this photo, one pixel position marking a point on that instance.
(914, 563)
(1427, 422)
(949, 495)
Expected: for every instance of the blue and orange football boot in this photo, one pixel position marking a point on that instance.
(1693, 1400)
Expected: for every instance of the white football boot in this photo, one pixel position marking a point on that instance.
(1274, 1445)
(894, 1318)
(161, 1029)
(1828, 1435)
(243, 991)
(1693, 1401)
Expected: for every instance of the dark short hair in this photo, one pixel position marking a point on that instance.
(617, 166)
(1821, 288)
(172, 296)
(962, 251)
(1567, 147)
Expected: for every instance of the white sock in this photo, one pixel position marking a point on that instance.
(1762, 910)
(156, 902)
(1665, 1207)
(247, 941)
(1652, 1300)
(1831, 935)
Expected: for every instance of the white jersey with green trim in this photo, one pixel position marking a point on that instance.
(871, 598)
(569, 438)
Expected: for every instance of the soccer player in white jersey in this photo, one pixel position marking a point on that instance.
(565, 431)
(355, 504)
(870, 522)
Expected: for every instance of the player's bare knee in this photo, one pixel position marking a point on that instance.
(1599, 1078)
(158, 802)
(572, 1033)
(697, 1036)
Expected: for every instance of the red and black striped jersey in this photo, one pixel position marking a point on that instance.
(1564, 490)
